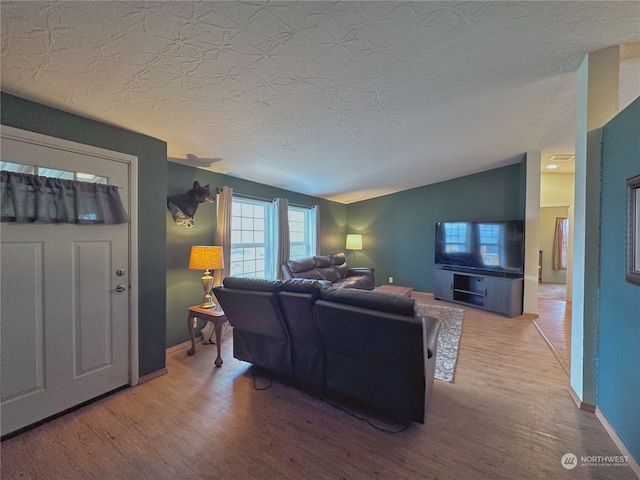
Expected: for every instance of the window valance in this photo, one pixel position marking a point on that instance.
(27, 198)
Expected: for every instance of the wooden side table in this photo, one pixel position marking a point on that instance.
(395, 289)
(208, 315)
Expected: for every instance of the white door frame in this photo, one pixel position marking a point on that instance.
(132, 161)
(569, 206)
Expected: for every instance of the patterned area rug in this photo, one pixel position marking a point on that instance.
(448, 338)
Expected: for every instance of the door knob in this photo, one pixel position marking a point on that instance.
(120, 288)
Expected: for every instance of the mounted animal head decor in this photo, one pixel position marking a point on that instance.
(183, 206)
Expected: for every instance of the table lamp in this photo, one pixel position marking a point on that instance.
(354, 242)
(206, 258)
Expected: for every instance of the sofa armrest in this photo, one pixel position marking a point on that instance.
(430, 330)
(360, 271)
(368, 281)
(286, 272)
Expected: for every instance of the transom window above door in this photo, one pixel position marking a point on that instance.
(52, 172)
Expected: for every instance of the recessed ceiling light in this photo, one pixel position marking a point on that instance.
(552, 166)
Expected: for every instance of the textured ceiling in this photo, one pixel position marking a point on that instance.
(343, 100)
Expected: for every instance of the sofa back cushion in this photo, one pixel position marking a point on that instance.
(305, 268)
(249, 283)
(373, 357)
(260, 334)
(338, 259)
(301, 265)
(338, 266)
(297, 299)
(340, 270)
(319, 267)
(379, 301)
(252, 311)
(302, 285)
(323, 261)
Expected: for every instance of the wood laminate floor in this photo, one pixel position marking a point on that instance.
(554, 324)
(507, 416)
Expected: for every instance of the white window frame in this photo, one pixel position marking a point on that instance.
(309, 226)
(241, 262)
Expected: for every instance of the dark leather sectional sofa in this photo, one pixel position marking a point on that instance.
(369, 349)
(329, 270)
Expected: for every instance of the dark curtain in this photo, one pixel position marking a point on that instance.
(560, 243)
(29, 198)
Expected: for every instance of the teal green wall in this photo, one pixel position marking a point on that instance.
(183, 285)
(152, 191)
(399, 229)
(618, 387)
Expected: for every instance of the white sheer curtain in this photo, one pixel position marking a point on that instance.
(224, 199)
(281, 233)
(315, 235)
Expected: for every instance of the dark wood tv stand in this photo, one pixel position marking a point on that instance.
(496, 293)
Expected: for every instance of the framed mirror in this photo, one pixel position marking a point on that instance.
(633, 230)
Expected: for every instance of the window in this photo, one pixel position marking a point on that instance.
(52, 173)
(253, 245)
(301, 232)
(250, 232)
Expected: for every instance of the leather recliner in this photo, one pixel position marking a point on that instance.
(369, 348)
(330, 270)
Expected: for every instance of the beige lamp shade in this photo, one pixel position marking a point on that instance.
(354, 242)
(206, 258)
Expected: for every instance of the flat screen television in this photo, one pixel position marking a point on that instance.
(491, 246)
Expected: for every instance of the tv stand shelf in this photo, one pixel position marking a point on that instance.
(500, 294)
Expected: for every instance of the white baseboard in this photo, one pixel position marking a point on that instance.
(616, 439)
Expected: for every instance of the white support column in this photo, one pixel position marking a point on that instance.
(597, 103)
(532, 232)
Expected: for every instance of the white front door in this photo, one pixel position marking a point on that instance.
(64, 308)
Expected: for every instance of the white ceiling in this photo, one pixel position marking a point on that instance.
(342, 100)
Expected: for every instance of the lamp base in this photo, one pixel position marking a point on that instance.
(207, 302)
(207, 284)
